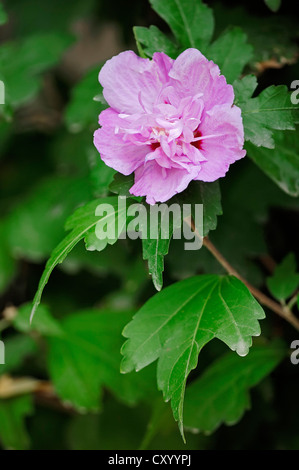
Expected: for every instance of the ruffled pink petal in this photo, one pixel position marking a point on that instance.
(131, 84)
(195, 74)
(225, 146)
(160, 184)
(117, 153)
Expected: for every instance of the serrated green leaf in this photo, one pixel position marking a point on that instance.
(271, 110)
(281, 164)
(191, 21)
(244, 88)
(153, 40)
(285, 279)
(154, 250)
(207, 194)
(221, 394)
(12, 428)
(82, 223)
(175, 324)
(87, 358)
(121, 184)
(231, 53)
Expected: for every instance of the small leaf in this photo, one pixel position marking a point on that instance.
(221, 394)
(207, 194)
(244, 88)
(285, 279)
(175, 324)
(121, 184)
(231, 53)
(274, 5)
(86, 103)
(281, 164)
(101, 177)
(155, 249)
(191, 21)
(270, 110)
(153, 40)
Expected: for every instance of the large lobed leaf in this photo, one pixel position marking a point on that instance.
(175, 324)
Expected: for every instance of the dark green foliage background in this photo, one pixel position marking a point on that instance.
(48, 167)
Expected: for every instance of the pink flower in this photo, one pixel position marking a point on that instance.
(169, 121)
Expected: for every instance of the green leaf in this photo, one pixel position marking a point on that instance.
(274, 5)
(86, 103)
(175, 324)
(17, 349)
(43, 322)
(101, 177)
(153, 40)
(231, 53)
(82, 225)
(155, 249)
(207, 194)
(270, 110)
(281, 164)
(7, 263)
(244, 88)
(285, 279)
(191, 21)
(12, 415)
(87, 358)
(36, 225)
(221, 394)
(121, 184)
(3, 15)
(32, 56)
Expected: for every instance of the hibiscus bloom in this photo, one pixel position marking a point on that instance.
(169, 122)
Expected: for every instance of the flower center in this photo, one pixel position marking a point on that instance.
(197, 143)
